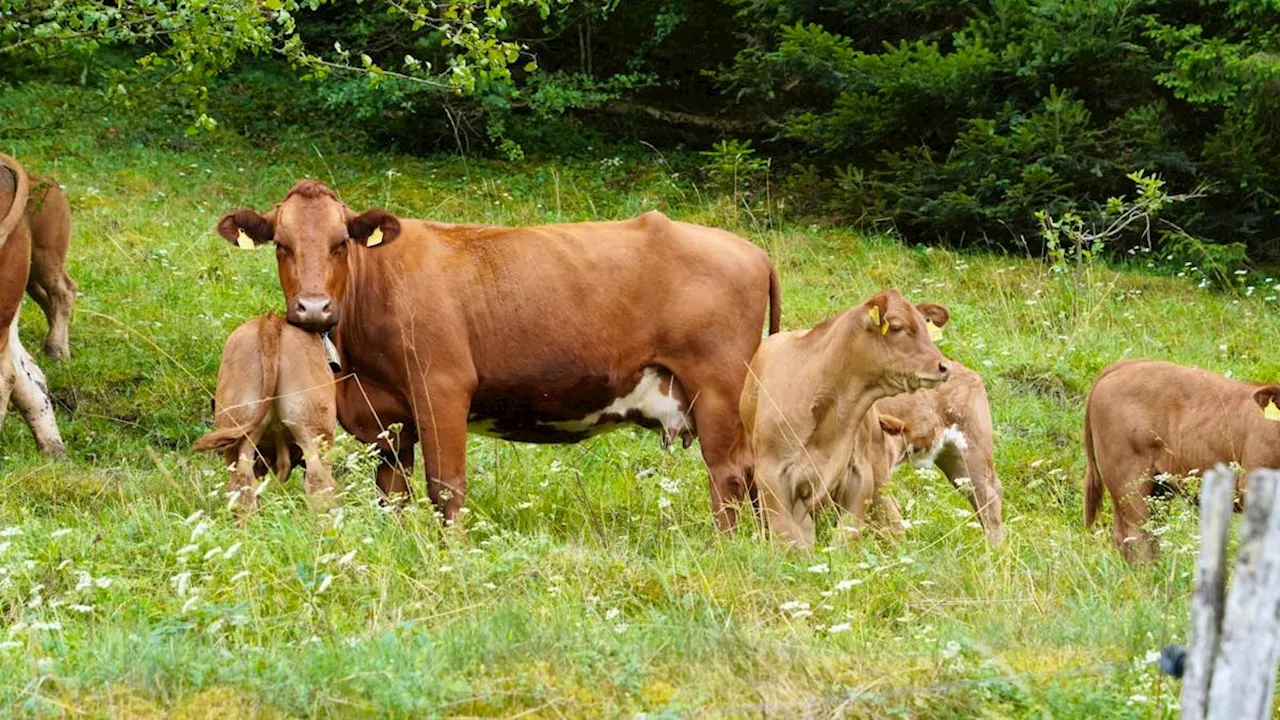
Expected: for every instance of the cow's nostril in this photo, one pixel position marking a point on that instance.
(943, 369)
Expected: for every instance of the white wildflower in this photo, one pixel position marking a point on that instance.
(231, 551)
(59, 533)
(11, 531)
(839, 628)
(55, 625)
(81, 608)
(846, 584)
(819, 568)
(325, 582)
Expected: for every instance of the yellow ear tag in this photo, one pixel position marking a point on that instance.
(375, 238)
(243, 241)
(884, 328)
(1271, 412)
(875, 314)
(935, 332)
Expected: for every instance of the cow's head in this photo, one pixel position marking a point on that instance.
(901, 350)
(894, 433)
(313, 232)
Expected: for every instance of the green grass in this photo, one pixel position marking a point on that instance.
(590, 582)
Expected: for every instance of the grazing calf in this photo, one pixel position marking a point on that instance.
(20, 377)
(274, 405)
(807, 407)
(49, 285)
(950, 427)
(1147, 420)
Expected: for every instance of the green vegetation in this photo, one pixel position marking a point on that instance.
(590, 582)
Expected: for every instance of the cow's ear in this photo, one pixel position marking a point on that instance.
(875, 313)
(1268, 398)
(934, 313)
(373, 227)
(892, 425)
(245, 228)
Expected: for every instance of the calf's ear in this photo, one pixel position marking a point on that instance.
(373, 227)
(1268, 398)
(246, 228)
(892, 425)
(874, 313)
(934, 313)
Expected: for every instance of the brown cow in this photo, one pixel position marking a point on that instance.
(950, 427)
(273, 407)
(808, 409)
(547, 334)
(49, 285)
(20, 377)
(1146, 421)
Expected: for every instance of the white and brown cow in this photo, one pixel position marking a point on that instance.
(20, 378)
(950, 427)
(545, 334)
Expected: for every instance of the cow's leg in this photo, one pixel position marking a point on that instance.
(1134, 485)
(441, 417)
(31, 396)
(889, 514)
(783, 508)
(395, 469)
(853, 500)
(724, 447)
(973, 473)
(55, 293)
(240, 486)
(318, 480)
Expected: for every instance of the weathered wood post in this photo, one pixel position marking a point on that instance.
(1234, 646)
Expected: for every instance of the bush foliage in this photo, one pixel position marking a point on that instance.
(951, 121)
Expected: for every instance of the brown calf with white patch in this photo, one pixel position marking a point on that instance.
(20, 378)
(950, 427)
(273, 407)
(807, 407)
(1146, 421)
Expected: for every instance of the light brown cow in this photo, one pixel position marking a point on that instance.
(1147, 424)
(547, 334)
(20, 378)
(49, 285)
(807, 408)
(950, 427)
(273, 407)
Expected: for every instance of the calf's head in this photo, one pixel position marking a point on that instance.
(900, 353)
(314, 234)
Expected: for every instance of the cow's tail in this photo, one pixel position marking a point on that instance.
(269, 329)
(10, 221)
(775, 300)
(1092, 481)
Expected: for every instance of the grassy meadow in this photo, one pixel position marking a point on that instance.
(590, 582)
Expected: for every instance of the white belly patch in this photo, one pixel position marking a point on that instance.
(657, 401)
(952, 436)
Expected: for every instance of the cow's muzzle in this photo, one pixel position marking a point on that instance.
(934, 379)
(313, 313)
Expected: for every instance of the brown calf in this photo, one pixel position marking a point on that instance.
(20, 378)
(1146, 421)
(807, 407)
(274, 406)
(950, 427)
(546, 334)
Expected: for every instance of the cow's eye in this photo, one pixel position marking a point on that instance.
(340, 248)
(282, 251)
(896, 327)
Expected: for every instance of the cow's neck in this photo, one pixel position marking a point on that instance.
(346, 335)
(848, 392)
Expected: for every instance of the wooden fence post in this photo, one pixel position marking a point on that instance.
(1234, 647)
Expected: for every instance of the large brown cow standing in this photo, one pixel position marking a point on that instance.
(545, 334)
(20, 377)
